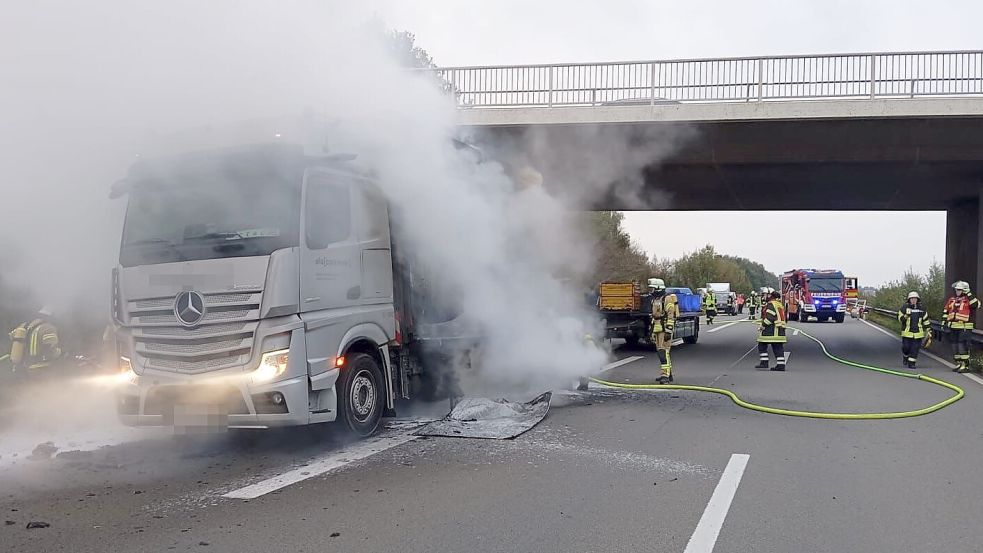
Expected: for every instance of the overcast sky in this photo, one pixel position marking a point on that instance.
(545, 31)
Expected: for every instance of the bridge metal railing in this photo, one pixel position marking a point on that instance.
(756, 79)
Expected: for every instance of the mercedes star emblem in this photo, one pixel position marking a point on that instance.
(189, 307)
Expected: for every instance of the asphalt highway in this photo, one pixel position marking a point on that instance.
(607, 470)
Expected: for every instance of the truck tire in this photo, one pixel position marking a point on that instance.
(696, 334)
(361, 397)
(632, 340)
(839, 317)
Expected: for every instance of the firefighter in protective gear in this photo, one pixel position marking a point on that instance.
(753, 303)
(957, 322)
(771, 331)
(664, 314)
(916, 330)
(710, 305)
(35, 345)
(671, 303)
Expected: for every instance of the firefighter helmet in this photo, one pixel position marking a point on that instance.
(913, 294)
(46, 311)
(657, 284)
(961, 285)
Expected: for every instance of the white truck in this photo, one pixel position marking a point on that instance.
(725, 299)
(262, 287)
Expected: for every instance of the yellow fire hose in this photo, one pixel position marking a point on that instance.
(959, 393)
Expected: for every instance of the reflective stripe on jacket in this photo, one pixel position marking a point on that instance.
(664, 314)
(914, 321)
(42, 344)
(959, 310)
(772, 326)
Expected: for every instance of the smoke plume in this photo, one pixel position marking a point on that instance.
(89, 90)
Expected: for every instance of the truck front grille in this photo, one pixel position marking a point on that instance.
(202, 347)
(195, 367)
(222, 340)
(182, 332)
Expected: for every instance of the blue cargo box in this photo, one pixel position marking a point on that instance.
(688, 301)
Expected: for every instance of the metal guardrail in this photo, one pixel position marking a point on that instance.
(936, 325)
(755, 79)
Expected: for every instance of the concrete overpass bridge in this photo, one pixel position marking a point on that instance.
(881, 131)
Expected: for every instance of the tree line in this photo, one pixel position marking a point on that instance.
(620, 259)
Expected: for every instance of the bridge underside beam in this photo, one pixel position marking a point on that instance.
(844, 164)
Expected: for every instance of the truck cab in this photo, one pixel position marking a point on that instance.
(255, 288)
(815, 293)
(723, 297)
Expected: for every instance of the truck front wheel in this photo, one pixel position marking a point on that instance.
(361, 395)
(839, 317)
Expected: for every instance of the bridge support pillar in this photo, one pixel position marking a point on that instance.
(963, 234)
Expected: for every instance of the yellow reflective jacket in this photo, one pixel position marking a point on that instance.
(772, 326)
(914, 321)
(42, 345)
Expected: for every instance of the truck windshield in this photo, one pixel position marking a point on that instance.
(826, 284)
(204, 220)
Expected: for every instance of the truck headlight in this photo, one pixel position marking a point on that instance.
(272, 365)
(126, 374)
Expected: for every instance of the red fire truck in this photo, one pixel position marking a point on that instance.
(852, 288)
(814, 293)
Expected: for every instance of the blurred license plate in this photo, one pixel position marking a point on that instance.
(200, 415)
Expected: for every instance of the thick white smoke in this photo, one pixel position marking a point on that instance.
(85, 86)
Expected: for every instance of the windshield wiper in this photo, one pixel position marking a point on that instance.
(216, 236)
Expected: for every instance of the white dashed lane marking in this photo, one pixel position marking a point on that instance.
(708, 529)
(324, 464)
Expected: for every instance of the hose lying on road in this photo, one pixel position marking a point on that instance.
(812, 414)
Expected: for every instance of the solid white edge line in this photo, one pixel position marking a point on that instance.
(321, 465)
(795, 332)
(712, 330)
(621, 362)
(707, 531)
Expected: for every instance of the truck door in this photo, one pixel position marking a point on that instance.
(331, 268)
(374, 241)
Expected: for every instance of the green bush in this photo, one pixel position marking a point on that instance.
(930, 286)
